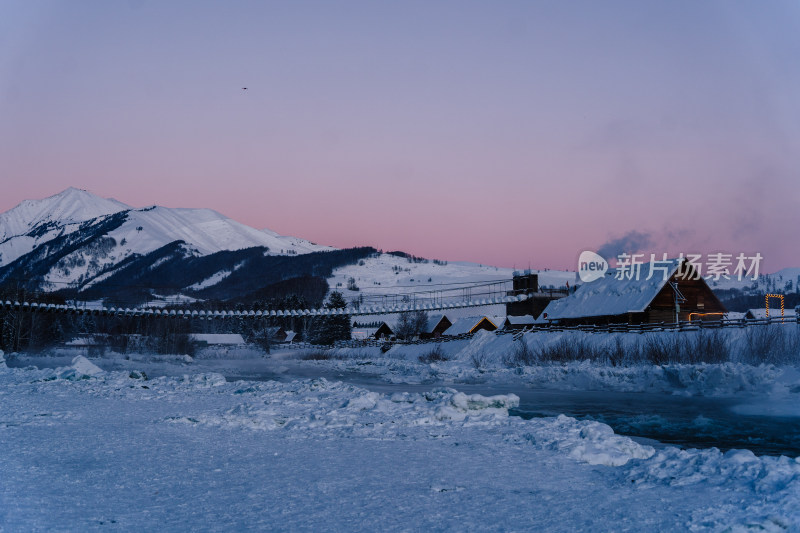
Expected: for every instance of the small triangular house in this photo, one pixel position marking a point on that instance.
(773, 313)
(470, 325)
(435, 327)
(384, 331)
(642, 299)
(518, 322)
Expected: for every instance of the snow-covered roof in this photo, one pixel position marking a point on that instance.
(465, 325)
(497, 320)
(773, 312)
(609, 296)
(433, 321)
(290, 335)
(524, 320)
(218, 338)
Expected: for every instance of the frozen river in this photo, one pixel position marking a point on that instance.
(741, 422)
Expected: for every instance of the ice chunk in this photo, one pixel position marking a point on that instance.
(83, 366)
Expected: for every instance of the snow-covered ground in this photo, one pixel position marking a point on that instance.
(94, 445)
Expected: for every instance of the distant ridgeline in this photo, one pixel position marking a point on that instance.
(741, 300)
(242, 276)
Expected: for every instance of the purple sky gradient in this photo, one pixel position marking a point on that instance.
(507, 133)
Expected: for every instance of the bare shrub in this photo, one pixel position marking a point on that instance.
(434, 356)
(318, 355)
(772, 344)
(707, 347)
(657, 350)
(568, 350)
(792, 344)
(520, 355)
(619, 355)
(479, 359)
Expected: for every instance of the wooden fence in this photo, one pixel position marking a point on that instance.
(695, 325)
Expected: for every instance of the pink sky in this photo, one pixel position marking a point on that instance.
(509, 134)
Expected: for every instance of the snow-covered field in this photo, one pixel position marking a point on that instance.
(91, 449)
(384, 278)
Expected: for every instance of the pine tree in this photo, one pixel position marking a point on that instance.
(332, 328)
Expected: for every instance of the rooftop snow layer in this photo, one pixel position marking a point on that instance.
(610, 296)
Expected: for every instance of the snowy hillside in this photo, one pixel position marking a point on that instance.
(785, 280)
(385, 278)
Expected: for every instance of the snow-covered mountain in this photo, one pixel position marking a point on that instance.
(89, 234)
(34, 222)
(96, 247)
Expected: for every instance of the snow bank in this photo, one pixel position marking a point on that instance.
(588, 441)
(321, 405)
(487, 356)
(773, 484)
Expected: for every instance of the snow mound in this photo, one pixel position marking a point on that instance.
(774, 480)
(320, 405)
(84, 367)
(591, 442)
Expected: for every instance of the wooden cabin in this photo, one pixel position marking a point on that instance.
(639, 300)
(517, 322)
(470, 325)
(435, 327)
(383, 332)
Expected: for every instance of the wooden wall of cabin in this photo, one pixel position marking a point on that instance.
(699, 299)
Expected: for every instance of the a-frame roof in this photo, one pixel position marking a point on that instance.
(609, 296)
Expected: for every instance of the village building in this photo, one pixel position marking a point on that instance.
(527, 282)
(276, 334)
(467, 325)
(206, 340)
(382, 331)
(773, 313)
(673, 291)
(362, 334)
(435, 327)
(517, 322)
(87, 345)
